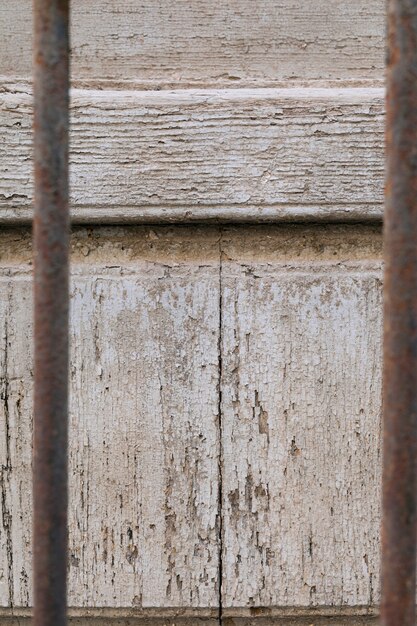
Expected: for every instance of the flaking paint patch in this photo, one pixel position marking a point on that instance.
(313, 362)
(210, 43)
(145, 414)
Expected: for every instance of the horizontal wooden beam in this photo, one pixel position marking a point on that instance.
(241, 155)
(158, 44)
(259, 616)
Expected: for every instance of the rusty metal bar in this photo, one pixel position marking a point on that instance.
(51, 242)
(399, 526)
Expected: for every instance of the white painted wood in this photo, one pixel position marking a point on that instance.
(209, 43)
(144, 444)
(300, 397)
(273, 154)
(301, 379)
(277, 116)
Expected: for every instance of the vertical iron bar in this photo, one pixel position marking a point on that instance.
(399, 527)
(51, 240)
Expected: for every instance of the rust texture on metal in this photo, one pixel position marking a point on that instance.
(399, 526)
(51, 238)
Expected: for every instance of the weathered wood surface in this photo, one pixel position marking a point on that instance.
(287, 321)
(209, 43)
(273, 154)
(301, 377)
(144, 444)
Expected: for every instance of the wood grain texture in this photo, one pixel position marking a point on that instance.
(272, 154)
(144, 445)
(210, 43)
(301, 378)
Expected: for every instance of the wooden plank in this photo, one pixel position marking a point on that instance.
(144, 444)
(262, 154)
(210, 43)
(301, 382)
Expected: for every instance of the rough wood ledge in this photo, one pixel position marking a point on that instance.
(230, 155)
(349, 616)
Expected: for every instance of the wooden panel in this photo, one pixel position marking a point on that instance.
(144, 419)
(300, 388)
(208, 43)
(301, 378)
(273, 154)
